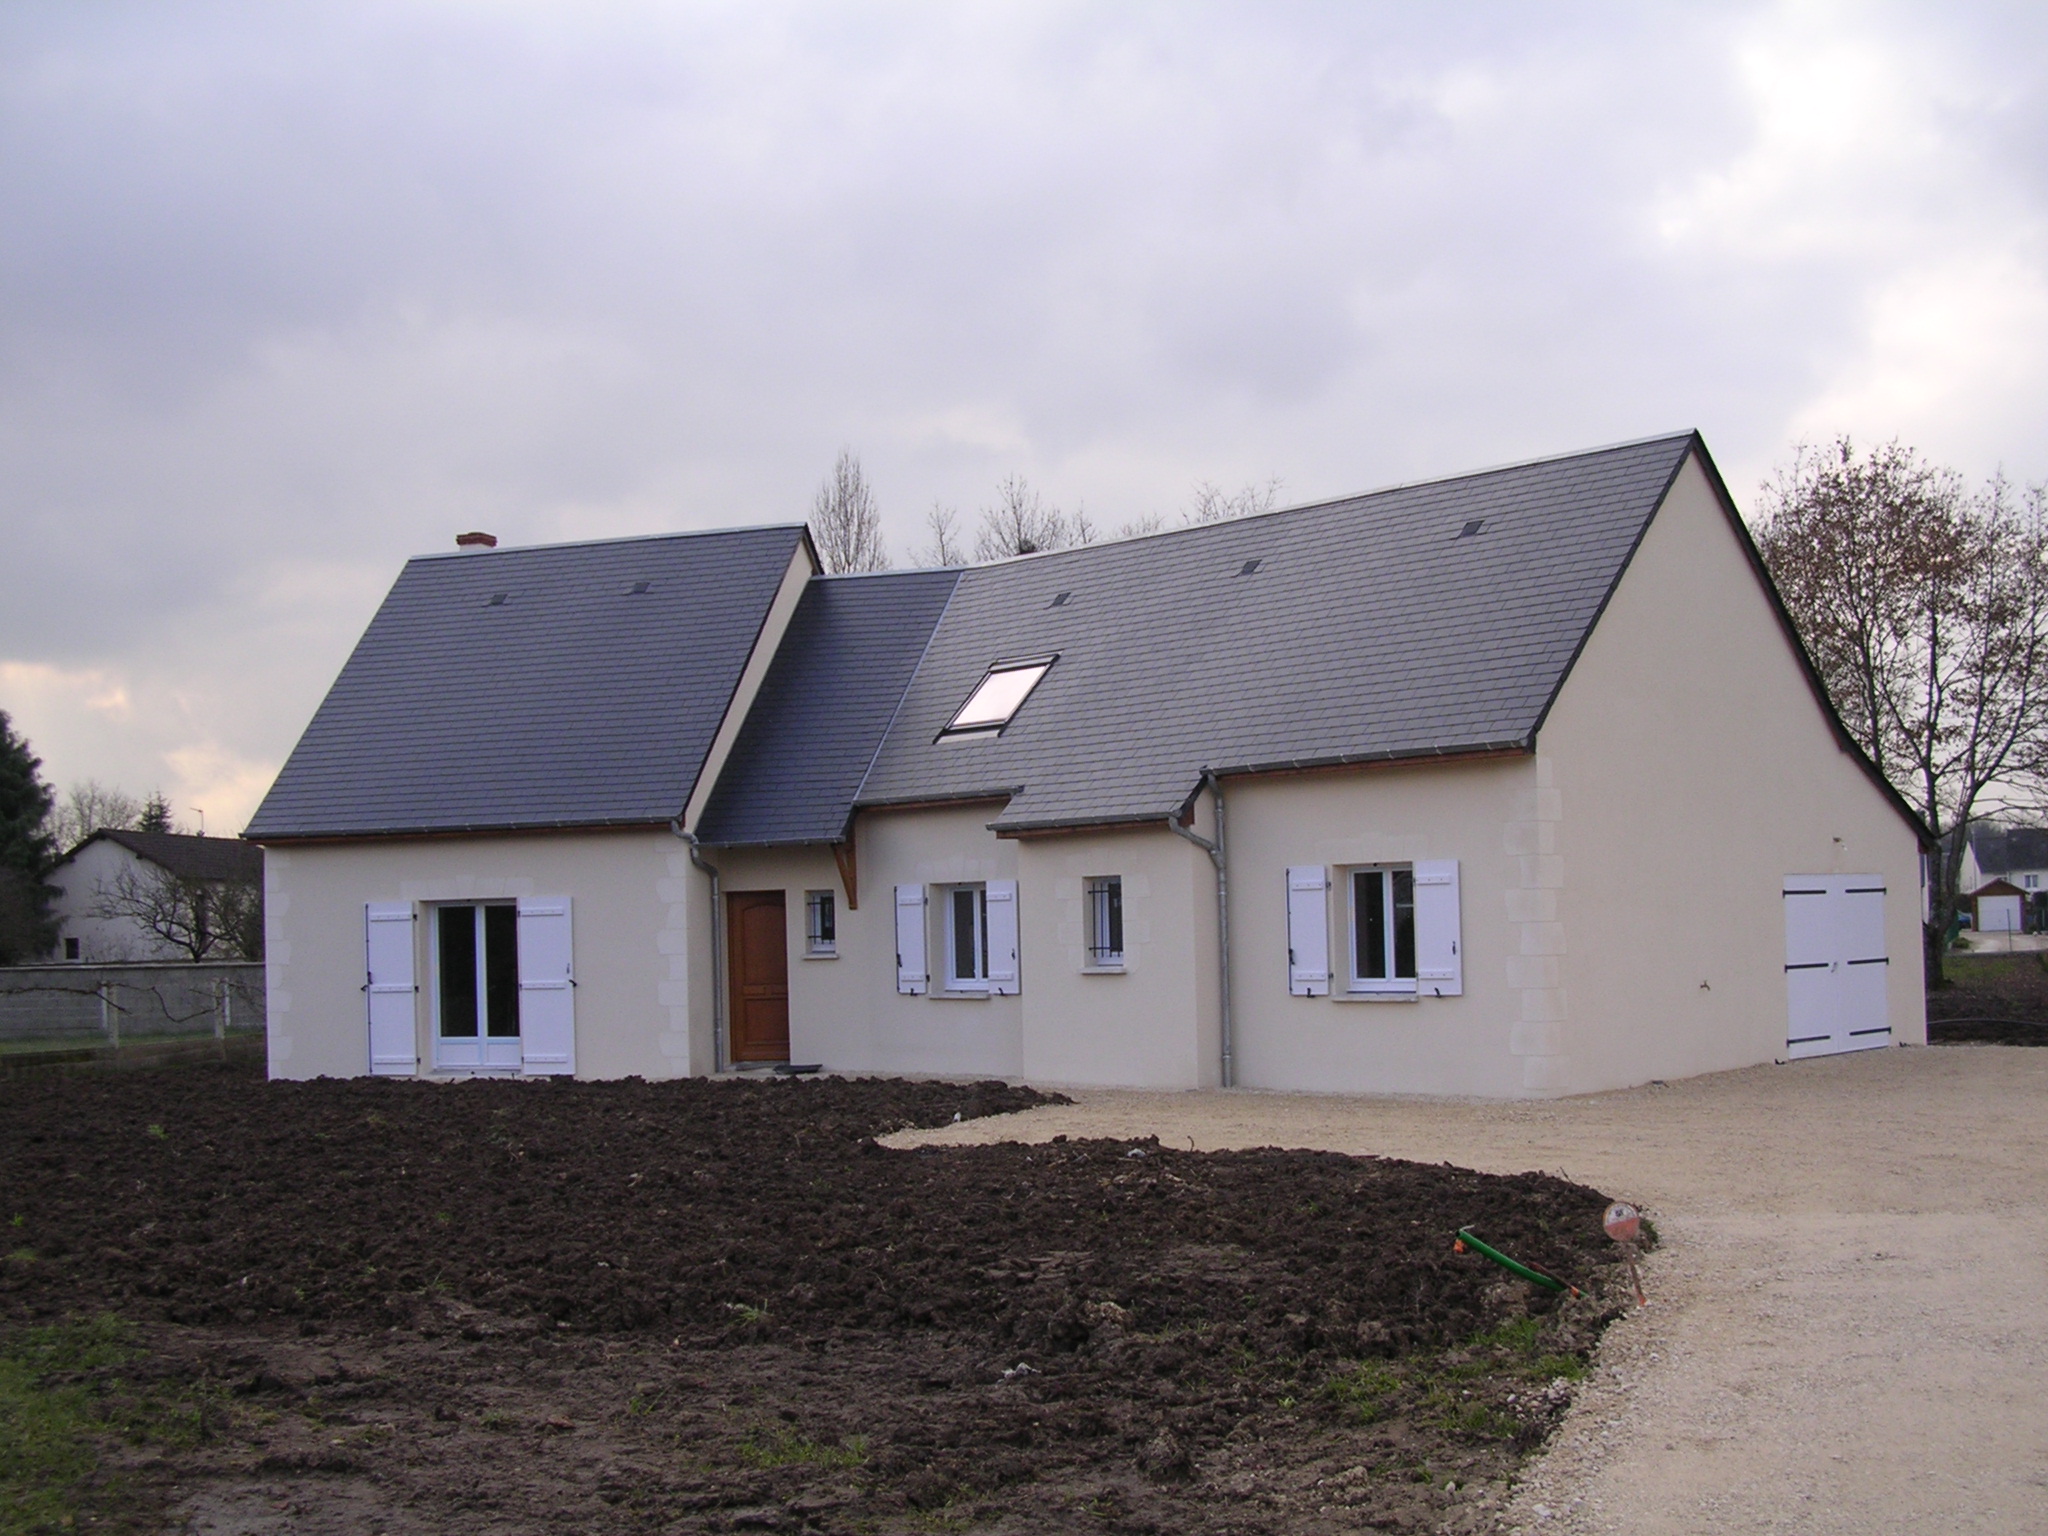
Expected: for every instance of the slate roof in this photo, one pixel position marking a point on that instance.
(1372, 628)
(573, 702)
(843, 664)
(186, 856)
(2000, 848)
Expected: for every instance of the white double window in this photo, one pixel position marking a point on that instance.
(1397, 929)
(499, 987)
(970, 927)
(1382, 929)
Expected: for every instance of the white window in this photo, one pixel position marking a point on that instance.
(2033, 881)
(1383, 929)
(501, 990)
(998, 697)
(476, 985)
(1106, 922)
(821, 924)
(963, 914)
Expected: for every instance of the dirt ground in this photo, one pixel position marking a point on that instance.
(1991, 999)
(1847, 1330)
(715, 1306)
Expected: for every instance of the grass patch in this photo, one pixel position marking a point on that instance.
(786, 1448)
(1363, 1390)
(64, 1391)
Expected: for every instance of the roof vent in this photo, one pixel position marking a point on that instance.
(497, 600)
(1249, 566)
(1473, 529)
(638, 587)
(1059, 600)
(475, 543)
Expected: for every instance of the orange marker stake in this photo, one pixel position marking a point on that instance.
(1624, 1223)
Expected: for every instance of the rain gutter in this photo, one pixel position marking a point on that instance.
(1216, 854)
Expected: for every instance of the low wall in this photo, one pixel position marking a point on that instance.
(107, 1005)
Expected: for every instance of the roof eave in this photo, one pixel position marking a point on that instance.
(463, 829)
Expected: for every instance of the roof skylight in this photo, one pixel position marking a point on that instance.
(998, 696)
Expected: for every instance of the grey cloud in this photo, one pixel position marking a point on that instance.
(314, 286)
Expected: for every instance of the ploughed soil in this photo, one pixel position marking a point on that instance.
(1991, 999)
(712, 1306)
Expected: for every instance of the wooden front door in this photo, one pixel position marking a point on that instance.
(757, 951)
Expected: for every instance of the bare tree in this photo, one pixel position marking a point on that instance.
(87, 807)
(1212, 504)
(1925, 609)
(204, 919)
(945, 548)
(846, 525)
(1020, 523)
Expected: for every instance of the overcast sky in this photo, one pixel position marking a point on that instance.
(289, 293)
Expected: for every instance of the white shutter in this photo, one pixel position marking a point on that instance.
(547, 987)
(1813, 1005)
(1863, 989)
(1308, 931)
(388, 983)
(910, 972)
(1439, 958)
(1002, 938)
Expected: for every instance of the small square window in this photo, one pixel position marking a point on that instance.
(998, 697)
(821, 923)
(1106, 922)
(71, 949)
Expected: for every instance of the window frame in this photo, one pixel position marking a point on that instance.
(954, 729)
(1394, 983)
(821, 938)
(956, 985)
(1105, 941)
(481, 955)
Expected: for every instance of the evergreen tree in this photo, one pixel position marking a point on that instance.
(26, 851)
(156, 814)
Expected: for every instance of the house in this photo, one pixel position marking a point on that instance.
(1353, 796)
(2015, 854)
(1998, 906)
(124, 895)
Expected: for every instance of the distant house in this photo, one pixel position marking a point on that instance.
(1998, 906)
(1356, 796)
(142, 872)
(2018, 855)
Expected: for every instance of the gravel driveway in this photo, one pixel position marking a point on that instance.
(1848, 1328)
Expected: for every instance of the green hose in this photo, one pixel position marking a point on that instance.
(1513, 1266)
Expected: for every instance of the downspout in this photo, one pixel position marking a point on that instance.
(717, 948)
(1216, 852)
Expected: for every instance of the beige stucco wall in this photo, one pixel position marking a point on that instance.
(1685, 771)
(825, 994)
(640, 928)
(1154, 1025)
(1470, 812)
(846, 1014)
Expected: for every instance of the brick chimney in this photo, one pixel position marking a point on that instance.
(474, 543)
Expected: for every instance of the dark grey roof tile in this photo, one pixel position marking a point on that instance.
(823, 708)
(574, 702)
(1369, 629)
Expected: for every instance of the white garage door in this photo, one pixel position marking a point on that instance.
(1835, 964)
(1998, 914)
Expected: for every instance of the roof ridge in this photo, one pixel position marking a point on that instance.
(624, 538)
(1688, 435)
